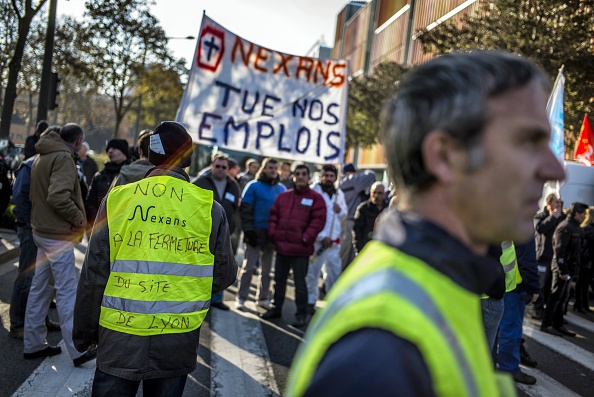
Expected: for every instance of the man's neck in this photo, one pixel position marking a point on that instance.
(434, 207)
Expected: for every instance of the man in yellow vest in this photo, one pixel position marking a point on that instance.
(159, 248)
(466, 140)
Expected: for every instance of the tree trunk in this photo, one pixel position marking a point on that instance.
(14, 67)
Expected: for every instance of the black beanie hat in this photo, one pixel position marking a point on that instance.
(120, 144)
(170, 145)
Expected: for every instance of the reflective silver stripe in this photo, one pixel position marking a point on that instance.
(509, 267)
(401, 285)
(153, 307)
(506, 244)
(173, 269)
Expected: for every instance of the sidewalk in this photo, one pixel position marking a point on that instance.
(9, 245)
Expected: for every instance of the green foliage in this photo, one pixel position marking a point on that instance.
(123, 34)
(551, 32)
(367, 96)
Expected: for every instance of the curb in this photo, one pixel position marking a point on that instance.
(9, 254)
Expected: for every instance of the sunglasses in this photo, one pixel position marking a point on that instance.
(221, 166)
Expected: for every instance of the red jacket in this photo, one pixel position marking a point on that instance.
(296, 218)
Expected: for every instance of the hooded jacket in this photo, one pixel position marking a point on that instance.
(132, 172)
(135, 357)
(58, 211)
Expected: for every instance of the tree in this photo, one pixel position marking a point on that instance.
(551, 32)
(24, 14)
(123, 34)
(367, 96)
(161, 91)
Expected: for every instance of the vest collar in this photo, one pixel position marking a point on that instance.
(168, 170)
(416, 236)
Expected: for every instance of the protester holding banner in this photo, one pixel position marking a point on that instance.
(258, 197)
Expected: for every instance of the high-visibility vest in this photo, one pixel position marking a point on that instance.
(509, 261)
(385, 288)
(161, 271)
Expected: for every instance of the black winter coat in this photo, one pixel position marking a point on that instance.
(230, 199)
(99, 188)
(545, 225)
(365, 217)
(567, 247)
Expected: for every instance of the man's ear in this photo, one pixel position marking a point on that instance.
(443, 156)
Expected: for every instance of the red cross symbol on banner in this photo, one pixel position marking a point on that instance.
(210, 48)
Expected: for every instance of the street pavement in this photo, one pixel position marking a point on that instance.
(243, 355)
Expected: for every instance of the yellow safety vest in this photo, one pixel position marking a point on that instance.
(509, 261)
(161, 269)
(387, 289)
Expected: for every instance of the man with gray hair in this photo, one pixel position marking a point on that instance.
(467, 145)
(366, 215)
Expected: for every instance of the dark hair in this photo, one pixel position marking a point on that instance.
(577, 208)
(331, 168)
(143, 143)
(448, 93)
(41, 127)
(302, 167)
(71, 132)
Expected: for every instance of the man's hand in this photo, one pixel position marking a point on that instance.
(564, 277)
(326, 242)
(336, 208)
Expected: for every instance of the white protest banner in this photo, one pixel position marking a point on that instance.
(241, 96)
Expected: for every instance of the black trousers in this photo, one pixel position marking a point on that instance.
(553, 314)
(582, 288)
(281, 273)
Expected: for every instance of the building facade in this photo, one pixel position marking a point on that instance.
(369, 33)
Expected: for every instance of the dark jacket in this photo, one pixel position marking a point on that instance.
(20, 193)
(89, 168)
(588, 246)
(99, 188)
(230, 199)
(545, 225)
(142, 357)
(567, 247)
(528, 268)
(365, 217)
(296, 218)
(30, 143)
(397, 365)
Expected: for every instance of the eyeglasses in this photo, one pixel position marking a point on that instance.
(221, 166)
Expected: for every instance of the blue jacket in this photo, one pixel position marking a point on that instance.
(20, 193)
(258, 197)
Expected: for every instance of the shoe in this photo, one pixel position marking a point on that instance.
(240, 304)
(265, 304)
(563, 329)
(220, 306)
(551, 330)
(47, 352)
(52, 326)
(311, 309)
(16, 334)
(299, 321)
(525, 358)
(270, 314)
(87, 356)
(521, 377)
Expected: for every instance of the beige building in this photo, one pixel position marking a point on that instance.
(368, 33)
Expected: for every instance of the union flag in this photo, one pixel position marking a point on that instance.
(584, 152)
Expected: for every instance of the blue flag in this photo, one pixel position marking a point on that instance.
(555, 112)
